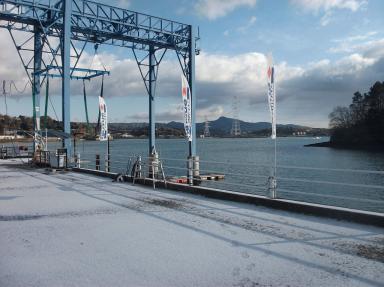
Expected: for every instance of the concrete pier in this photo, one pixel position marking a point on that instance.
(74, 229)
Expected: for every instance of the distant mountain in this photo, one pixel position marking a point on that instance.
(221, 127)
(218, 128)
(175, 125)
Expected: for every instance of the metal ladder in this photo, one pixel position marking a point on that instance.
(155, 164)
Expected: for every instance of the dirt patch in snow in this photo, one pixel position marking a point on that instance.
(19, 217)
(104, 211)
(165, 203)
(9, 176)
(369, 251)
(247, 282)
(17, 165)
(379, 239)
(11, 188)
(252, 225)
(8, 197)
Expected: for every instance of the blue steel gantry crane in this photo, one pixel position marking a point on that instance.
(58, 26)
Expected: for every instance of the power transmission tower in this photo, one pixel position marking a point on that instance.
(235, 130)
(206, 128)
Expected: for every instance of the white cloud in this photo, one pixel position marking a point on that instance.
(327, 5)
(252, 20)
(370, 49)
(326, 19)
(211, 113)
(373, 49)
(249, 24)
(242, 69)
(123, 3)
(355, 38)
(349, 65)
(176, 114)
(11, 67)
(323, 83)
(213, 9)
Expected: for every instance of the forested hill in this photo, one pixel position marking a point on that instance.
(220, 127)
(361, 125)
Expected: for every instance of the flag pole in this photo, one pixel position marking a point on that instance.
(275, 173)
(275, 139)
(274, 179)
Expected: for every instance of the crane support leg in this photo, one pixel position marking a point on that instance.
(37, 58)
(191, 79)
(66, 50)
(151, 94)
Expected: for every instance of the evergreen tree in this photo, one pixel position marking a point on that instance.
(362, 123)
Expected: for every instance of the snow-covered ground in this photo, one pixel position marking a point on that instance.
(71, 229)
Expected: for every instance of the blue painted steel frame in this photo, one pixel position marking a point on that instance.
(38, 49)
(151, 97)
(191, 79)
(90, 21)
(89, 73)
(97, 23)
(66, 57)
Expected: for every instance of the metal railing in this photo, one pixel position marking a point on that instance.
(15, 151)
(350, 188)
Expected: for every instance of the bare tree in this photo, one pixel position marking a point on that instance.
(340, 118)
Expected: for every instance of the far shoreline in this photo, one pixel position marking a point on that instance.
(368, 147)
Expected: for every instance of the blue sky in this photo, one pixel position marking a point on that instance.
(324, 50)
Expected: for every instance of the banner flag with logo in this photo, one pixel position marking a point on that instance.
(103, 120)
(187, 107)
(272, 95)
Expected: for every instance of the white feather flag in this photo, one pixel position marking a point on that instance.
(103, 120)
(272, 95)
(187, 107)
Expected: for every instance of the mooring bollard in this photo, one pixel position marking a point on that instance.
(77, 160)
(196, 169)
(97, 162)
(272, 185)
(137, 169)
(153, 165)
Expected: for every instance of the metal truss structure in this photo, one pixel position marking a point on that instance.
(207, 133)
(84, 74)
(235, 130)
(60, 29)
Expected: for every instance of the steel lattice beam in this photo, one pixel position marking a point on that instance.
(98, 23)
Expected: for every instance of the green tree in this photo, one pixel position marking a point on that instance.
(362, 123)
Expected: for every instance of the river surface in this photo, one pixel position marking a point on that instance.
(247, 163)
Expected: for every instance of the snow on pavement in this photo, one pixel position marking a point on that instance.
(71, 229)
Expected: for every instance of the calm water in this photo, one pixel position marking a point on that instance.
(248, 164)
